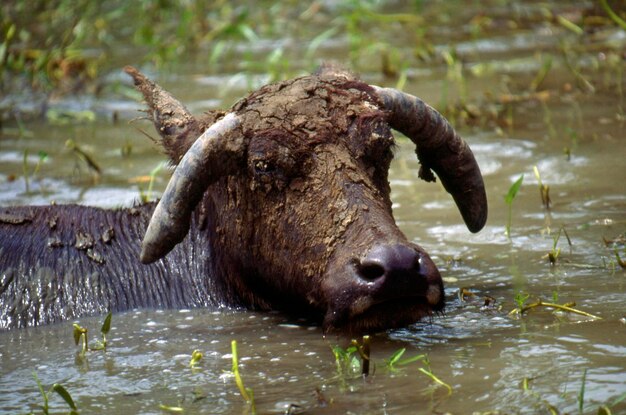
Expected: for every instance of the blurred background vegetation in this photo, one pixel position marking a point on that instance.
(68, 46)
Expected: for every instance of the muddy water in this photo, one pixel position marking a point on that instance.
(482, 352)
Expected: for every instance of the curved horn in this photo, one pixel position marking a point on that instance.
(213, 155)
(441, 149)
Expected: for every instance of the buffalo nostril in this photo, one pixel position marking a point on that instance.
(384, 260)
(371, 270)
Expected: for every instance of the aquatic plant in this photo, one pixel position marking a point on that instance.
(508, 199)
(59, 390)
(69, 117)
(81, 333)
(364, 351)
(196, 356)
(569, 25)
(544, 189)
(581, 394)
(396, 360)
(604, 409)
(147, 196)
(570, 63)
(349, 365)
(172, 409)
(520, 299)
(546, 65)
(614, 16)
(455, 75)
(426, 370)
(554, 253)
(42, 157)
(84, 157)
(526, 387)
(620, 261)
(615, 244)
(523, 307)
(246, 393)
(346, 361)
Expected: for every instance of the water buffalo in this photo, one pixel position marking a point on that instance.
(280, 203)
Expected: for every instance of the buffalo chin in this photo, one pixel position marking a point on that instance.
(382, 316)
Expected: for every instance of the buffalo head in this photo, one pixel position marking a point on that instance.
(292, 183)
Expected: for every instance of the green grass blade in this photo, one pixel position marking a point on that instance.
(581, 394)
(411, 359)
(172, 409)
(436, 379)
(513, 190)
(618, 20)
(106, 326)
(78, 331)
(63, 393)
(395, 357)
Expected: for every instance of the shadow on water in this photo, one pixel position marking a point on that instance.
(527, 85)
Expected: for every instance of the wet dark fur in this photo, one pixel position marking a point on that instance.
(63, 262)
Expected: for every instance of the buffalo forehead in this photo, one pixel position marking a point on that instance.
(314, 107)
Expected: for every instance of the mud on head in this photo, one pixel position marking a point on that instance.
(296, 179)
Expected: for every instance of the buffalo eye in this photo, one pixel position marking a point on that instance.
(263, 166)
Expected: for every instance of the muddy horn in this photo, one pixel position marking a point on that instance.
(441, 149)
(213, 155)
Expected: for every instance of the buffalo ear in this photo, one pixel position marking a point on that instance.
(216, 153)
(441, 149)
